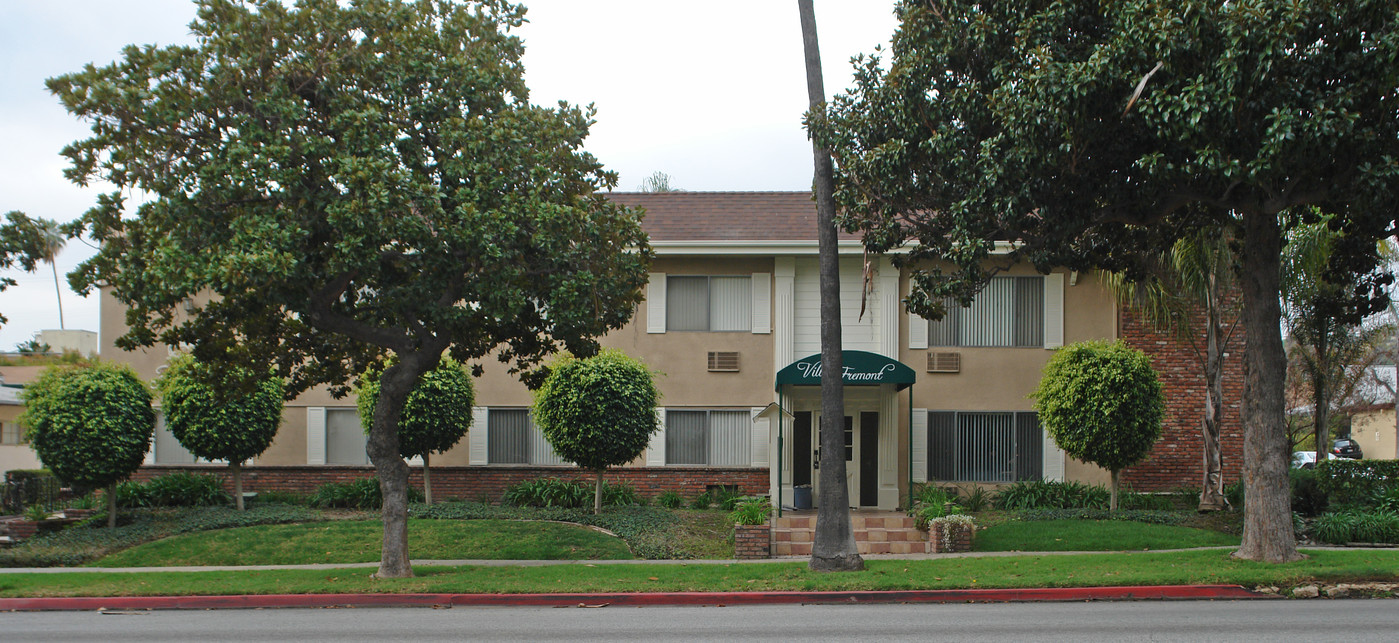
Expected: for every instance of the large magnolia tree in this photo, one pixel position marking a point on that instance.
(1089, 133)
(341, 181)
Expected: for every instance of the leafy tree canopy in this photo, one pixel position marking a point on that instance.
(598, 412)
(436, 414)
(1102, 403)
(210, 412)
(1086, 134)
(346, 180)
(90, 425)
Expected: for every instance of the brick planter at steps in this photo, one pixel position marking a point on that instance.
(950, 539)
(752, 542)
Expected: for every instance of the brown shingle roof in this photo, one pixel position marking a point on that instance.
(725, 216)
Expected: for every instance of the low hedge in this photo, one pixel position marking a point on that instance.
(1356, 482)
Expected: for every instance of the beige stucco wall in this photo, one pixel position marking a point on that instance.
(1374, 430)
(15, 456)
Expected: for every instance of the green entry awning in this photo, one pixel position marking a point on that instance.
(862, 368)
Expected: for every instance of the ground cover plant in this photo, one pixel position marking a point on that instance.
(1094, 535)
(178, 489)
(358, 494)
(568, 494)
(1072, 570)
(89, 540)
(358, 541)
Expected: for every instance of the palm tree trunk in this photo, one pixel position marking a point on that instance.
(58, 290)
(1212, 487)
(834, 548)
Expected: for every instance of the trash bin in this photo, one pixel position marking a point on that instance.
(801, 497)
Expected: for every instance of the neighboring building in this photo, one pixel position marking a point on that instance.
(14, 449)
(1373, 427)
(84, 342)
(731, 321)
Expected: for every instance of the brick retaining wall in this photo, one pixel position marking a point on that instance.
(1178, 459)
(752, 542)
(474, 483)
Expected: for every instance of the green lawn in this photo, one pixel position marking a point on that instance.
(1081, 570)
(358, 541)
(1094, 535)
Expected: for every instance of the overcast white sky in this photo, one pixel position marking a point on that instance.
(711, 93)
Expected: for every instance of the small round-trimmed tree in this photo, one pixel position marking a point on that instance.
(90, 425)
(598, 412)
(221, 413)
(435, 416)
(1102, 403)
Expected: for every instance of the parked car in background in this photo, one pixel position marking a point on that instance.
(1346, 448)
(1307, 459)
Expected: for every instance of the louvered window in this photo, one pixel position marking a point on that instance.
(984, 446)
(709, 303)
(713, 438)
(1009, 312)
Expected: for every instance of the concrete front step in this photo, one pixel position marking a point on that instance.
(875, 533)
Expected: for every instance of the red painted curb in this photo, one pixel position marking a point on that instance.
(1146, 592)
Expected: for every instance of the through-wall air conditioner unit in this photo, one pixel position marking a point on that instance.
(723, 361)
(944, 362)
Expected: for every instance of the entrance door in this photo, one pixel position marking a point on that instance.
(861, 446)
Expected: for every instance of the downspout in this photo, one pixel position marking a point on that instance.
(780, 453)
(909, 505)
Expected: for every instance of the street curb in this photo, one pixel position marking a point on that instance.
(720, 599)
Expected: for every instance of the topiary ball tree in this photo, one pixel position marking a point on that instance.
(221, 413)
(598, 412)
(436, 414)
(90, 425)
(1101, 403)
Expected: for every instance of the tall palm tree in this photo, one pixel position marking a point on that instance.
(51, 241)
(1196, 278)
(834, 548)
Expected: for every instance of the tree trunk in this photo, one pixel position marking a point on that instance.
(58, 290)
(1268, 534)
(427, 479)
(1112, 491)
(395, 385)
(237, 469)
(834, 548)
(1321, 394)
(112, 506)
(1212, 487)
(597, 494)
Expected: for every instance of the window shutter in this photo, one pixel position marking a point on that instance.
(917, 332)
(1053, 460)
(476, 436)
(315, 435)
(762, 430)
(655, 452)
(919, 437)
(655, 304)
(1053, 317)
(762, 303)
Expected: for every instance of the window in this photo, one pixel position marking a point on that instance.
(11, 433)
(168, 450)
(344, 437)
(1009, 312)
(713, 438)
(985, 446)
(512, 438)
(709, 303)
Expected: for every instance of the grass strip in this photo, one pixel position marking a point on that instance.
(1094, 535)
(1086, 570)
(359, 541)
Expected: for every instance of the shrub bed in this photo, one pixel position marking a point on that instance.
(179, 489)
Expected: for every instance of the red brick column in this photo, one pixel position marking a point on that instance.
(1178, 458)
(752, 541)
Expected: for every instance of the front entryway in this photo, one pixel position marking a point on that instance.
(861, 444)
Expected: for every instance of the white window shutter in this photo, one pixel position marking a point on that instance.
(1053, 460)
(476, 437)
(655, 303)
(655, 452)
(918, 436)
(758, 456)
(762, 303)
(315, 435)
(415, 461)
(917, 332)
(1054, 310)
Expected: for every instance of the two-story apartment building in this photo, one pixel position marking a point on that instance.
(731, 324)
